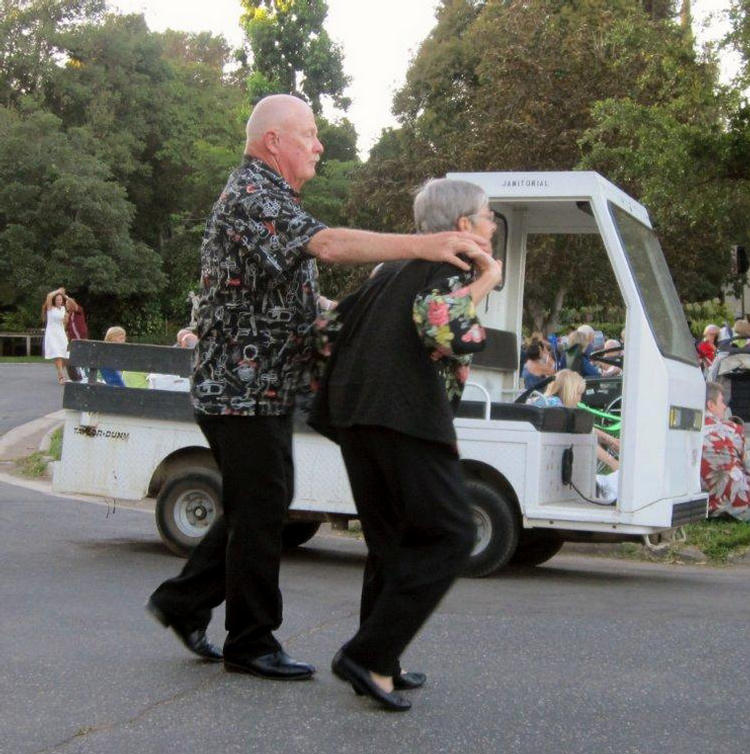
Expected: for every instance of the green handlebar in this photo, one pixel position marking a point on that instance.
(612, 423)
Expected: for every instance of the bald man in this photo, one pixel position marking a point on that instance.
(259, 299)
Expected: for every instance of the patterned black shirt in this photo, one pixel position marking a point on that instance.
(258, 302)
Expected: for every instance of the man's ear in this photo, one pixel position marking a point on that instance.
(271, 142)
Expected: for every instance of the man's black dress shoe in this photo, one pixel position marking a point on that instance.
(278, 666)
(361, 680)
(195, 641)
(409, 680)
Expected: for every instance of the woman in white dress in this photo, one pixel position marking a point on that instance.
(55, 339)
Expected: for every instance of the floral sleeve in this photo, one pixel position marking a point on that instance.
(446, 319)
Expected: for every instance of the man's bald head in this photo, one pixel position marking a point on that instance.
(281, 131)
(273, 113)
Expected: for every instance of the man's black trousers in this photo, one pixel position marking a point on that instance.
(419, 530)
(238, 560)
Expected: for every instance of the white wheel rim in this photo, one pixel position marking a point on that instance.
(194, 512)
(483, 530)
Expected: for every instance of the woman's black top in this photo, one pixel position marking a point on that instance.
(401, 354)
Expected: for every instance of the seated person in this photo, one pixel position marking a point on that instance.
(576, 354)
(539, 363)
(741, 332)
(566, 390)
(113, 376)
(183, 333)
(610, 370)
(185, 338)
(707, 346)
(725, 474)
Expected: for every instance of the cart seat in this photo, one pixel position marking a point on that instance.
(547, 419)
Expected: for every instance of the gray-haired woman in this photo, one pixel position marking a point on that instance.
(395, 376)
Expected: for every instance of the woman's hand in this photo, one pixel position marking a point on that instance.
(490, 275)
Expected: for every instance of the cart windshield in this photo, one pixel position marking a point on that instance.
(655, 287)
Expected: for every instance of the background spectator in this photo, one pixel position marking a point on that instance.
(576, 357)
(112, 376)
(55, 318)
(724, 469)
(610, 370)
(539, 363)
(185, 338)
(707, 347)
(77, 329)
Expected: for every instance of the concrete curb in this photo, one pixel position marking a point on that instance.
(22, 441)
(46, 441)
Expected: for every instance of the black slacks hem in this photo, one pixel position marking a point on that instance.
(415, 515)
(239, 558)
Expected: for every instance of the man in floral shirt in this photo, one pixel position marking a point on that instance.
(258, 301)
(725, 474)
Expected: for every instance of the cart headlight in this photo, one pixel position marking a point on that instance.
(685, 418)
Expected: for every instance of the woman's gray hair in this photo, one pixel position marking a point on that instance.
(441, 201)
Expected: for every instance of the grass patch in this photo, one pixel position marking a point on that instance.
(719, 538)
(22, 359)
(55, 444)
(34, 465)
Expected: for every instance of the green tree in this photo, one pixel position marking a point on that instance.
(515, 85)
(326, 197)
(63, 220)
(30, 41)
(168, 124)
(292, 52)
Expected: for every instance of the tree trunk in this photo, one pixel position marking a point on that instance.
(553, 320)
(543, 319)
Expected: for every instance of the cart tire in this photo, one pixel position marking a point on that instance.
(296, 533)
(188, 503)
(536, 547)
(497, 530)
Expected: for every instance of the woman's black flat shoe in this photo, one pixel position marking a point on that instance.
(409, 680)
(361, 680)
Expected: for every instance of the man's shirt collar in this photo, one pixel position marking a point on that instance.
(269, 174)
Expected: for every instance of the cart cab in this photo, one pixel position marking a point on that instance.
(663, 391)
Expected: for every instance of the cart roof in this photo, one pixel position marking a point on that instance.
(553, 200)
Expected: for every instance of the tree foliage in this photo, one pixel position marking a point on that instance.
(30, 45)
(548, 85)
(292, 52)
(64, 220)
(161, 121)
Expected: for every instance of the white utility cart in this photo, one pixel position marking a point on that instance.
(126, 444)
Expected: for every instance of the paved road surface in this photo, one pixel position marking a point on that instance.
(583, 655)
(29, 391)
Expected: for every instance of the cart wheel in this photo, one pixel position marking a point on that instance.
(497, 528)
(296, 533)
(536, 547)
(188, 503)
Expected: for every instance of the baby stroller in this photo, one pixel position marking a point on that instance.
(731, 369)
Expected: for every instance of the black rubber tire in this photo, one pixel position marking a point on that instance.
(498, 528)
(536, 547)
(296, 533)
(187, 505)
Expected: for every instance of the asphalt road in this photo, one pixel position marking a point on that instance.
(582, 655)
(29, 391)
